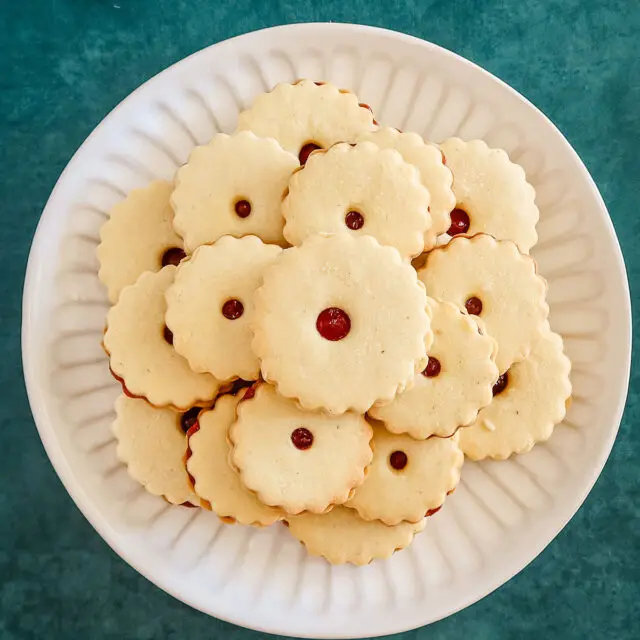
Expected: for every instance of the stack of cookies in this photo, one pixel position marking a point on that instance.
(320, 317)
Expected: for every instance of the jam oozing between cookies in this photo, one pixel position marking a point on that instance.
(432, 369)
(167, 335)
(302, 438)
(189, 418)
(354, 220)
(398, 460)
(243, 208)
(306, 151)
(232, 309)
(473, 305)
(333, 324)
(459, 222)
(501, 383)
(172, 256)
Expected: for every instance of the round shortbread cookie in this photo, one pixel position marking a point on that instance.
(138, 237)
(295, 459)
(140, 352)
(210, 306)
(455, 384)
(359, 190)
(492, 194)
(342, 536)
(407, 478)
(341, 323)
(232, 186)
(493, 280)
(214, 479)
(531, 399)
(307, 115)
(435, 175)
(153, 445)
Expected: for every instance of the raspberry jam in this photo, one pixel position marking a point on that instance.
(473, 306)
(172, 256)
(432, 369)
(398, 460)
(354, 220)
(333, 324)
(459, 222)
(232, 309)
(167, 335)
(189, 418)
(306, 151)
(501, 383)
(243, 209)
(432, 511)
(302, 438)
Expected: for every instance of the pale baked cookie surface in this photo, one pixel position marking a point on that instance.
(214, 479)
(341, 323)
(210, 306)
(531, 401)
(359, 190)
(407, 477)
(492, 193)
(435, 175)
(140, 351)
(493, 280)
(455, 384)
(138, 237)
(232, 186)
(342, 536)
(153, 445)
(307, 113)
(295, 459)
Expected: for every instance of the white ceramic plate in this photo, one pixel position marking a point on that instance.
(502, 515)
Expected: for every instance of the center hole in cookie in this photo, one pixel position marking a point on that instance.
(232, 309)
(473, 305)
(306, 151)
(167, 335)
(333, 324)
(354, 220)
(173, 256)
(398, 460)
(432, 369)
(189, 418)
(459, 222)
(501, 384)
(302, 438)
(242, 208)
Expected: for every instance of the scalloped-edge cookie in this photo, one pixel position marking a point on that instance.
(493, 280)
(341, 323)
(138, 237)
(140, 351)
(455, 384)
(307, 115)
(407, 478)
(435, 175)
(531, 399)
(492, 194)
(359, 190)
(214, 479)
(294, 459)
(342, 536)
(232, 186)
(210, 306)
(152, 444)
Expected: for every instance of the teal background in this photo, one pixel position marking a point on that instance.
(64, 64)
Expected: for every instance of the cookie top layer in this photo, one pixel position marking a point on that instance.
(295, 459)
(454, 385)
(435, 175)
(341, 536)
(306, 113)
(407, 477)
(140, 350)
(138, 237)
(341, 323)
(493, 280)
(531, 399)
(214, 479)
(153, 445)
(232, 186)
(210, 306)
(359, 190)
(493, 192)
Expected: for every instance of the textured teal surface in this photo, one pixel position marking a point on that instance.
(64, 64)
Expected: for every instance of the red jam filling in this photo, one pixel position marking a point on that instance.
(398, 460)
(172, 256)
(232, 309)
(473, 306)
(432, 369)
(354, 220)
(302, 438)
(459, 222)
(306, 151)
(333, 324)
